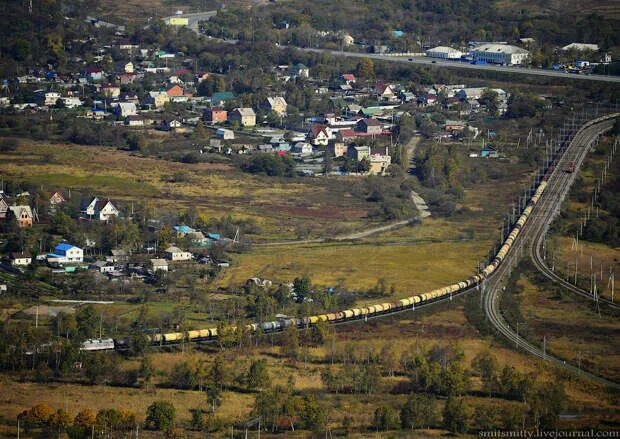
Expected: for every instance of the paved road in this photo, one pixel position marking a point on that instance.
(542, 215)
(460, 65)
(195, 18)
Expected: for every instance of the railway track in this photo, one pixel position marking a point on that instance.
(544, 212)
(536, 254)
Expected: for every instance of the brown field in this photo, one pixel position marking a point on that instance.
(574, 330)
(278, 205)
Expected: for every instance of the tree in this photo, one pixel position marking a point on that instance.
(160, 416)
(366, 69)
(488, 369)
(302, 286)
(456, 415)
(313, 414)
(257, 376)
(418, 412)
(290, 342)
(490, 99)
(386, 418)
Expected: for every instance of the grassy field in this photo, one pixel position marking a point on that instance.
(280, 206)
(358, 266)
(572, 327)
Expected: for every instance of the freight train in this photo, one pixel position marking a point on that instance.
(347, 315)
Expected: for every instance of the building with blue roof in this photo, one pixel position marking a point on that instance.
(183, 230)
(66, 253)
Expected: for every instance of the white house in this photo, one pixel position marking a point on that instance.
(320, 134)
(125, 109)
(303, 148)
(500, 54)
(71, 102)
(159, 264)
(223, 133)
(444, 52)
(102, 267)
(176, 254)
(20, 259)
(66, 253)
(103, 210)
(49, 98)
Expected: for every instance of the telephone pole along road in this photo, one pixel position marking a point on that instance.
(542, 215)
(422, 60)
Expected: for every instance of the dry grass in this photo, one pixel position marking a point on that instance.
(215, 190)
(408, 267)
(573, 330)
(603, 258)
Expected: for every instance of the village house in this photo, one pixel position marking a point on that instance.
(225, 134)
(4, 206)
(158, 98)
(66, 253)
(102, 210)
(370, 126)
(158, 264)
(124, 109)
(300, 71)
(277, 105)
(71, 102)
(454, 125)
(102, 267)
(336, 149)
(380, 161)
(302, 148)
(358, 153)
(246, 117)
(20, 259)
(175, 91)
(172, 125)
(110, 91)
(94, 73)
(215, 115)
(23, 216)
(385, 92)
(182, 230)
(56, 199)
(347, 78)
(117, 255)
(320, 134)
(176, 254)
(47, 98)
(134, 121)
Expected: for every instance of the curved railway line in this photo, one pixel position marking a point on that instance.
(544, 201)
(559, 183)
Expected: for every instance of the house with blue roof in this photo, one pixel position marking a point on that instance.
(66, 253)
(183, 230)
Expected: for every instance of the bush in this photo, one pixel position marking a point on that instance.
(271, 165)
(160, 416)
(7, 145)
(386, 418)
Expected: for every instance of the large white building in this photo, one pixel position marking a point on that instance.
(500, 54)
(444, 52)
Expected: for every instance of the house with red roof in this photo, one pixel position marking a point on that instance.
(320, 134)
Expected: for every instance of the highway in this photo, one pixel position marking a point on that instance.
(195, 18)
(434, 62)
(545, 210)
